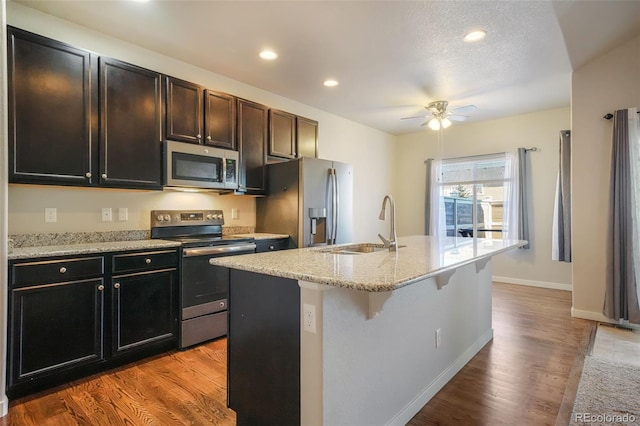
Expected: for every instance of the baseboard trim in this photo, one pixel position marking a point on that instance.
(411, 409)
(599, 316)
(531, 283)
(4, 406)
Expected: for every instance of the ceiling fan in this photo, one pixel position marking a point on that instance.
(438, 116)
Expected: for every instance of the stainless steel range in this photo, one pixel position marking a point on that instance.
(203, 287)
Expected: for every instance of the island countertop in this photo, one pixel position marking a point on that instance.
(374, 272)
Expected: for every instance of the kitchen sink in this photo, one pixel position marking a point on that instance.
(357, 249)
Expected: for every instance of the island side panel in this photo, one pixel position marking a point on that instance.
(383, 370)
(264, 349)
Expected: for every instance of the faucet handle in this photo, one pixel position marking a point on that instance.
(386, 242)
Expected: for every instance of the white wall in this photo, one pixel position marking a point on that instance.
(540, 129)
(370, 151)
(607, 83)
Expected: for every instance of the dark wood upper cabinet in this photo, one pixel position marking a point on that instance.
(184, 111)
(282, 134)
(131, 126)
(306, 137)
(51, 111)
(219, 119)
(252, 146)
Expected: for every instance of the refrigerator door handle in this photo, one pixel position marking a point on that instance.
(336, 205)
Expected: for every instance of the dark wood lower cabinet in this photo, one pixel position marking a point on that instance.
(55, 327)
(264, 349)
(74, 316)
(144, 309)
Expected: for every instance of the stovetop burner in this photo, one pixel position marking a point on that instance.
(192, 228)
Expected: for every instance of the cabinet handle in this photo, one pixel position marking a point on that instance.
(199, 136)
(100, 287)
(88, 174)
(147, 261)
(63, 270)
(116, 285)
(208, 138)
(104, 176)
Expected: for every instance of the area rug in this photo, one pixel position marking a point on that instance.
(608, 394)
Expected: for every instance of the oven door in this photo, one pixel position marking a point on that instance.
(204, 286)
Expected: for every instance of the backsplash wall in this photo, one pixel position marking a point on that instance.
(79, 209)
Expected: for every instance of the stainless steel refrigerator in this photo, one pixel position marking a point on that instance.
(309, 199)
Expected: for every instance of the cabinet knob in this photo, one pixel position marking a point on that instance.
(63, 270)
(199, 136)
(100, 287)
(208, 138)
(272, 248)
(222, 304)
(147, 261)
(104, 176)
(88, 174)
(116, 285)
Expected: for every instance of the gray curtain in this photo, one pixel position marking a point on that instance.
(427, 198)
(621, 295)
(521, 202)
(562, 215)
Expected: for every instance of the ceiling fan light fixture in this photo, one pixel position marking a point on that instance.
(445, 122)
(268, 55)
(475, 35)
(434, 123)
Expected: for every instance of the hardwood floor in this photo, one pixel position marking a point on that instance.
(518, 378)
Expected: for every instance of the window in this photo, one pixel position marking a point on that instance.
(476, 196)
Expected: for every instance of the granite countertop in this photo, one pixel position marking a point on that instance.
(374, 272)
(88, 248)
(262, 236)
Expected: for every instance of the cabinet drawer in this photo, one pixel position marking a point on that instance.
(52, 271)
(272, 245)
(145, 261)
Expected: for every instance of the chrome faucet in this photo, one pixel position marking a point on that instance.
(391, 243)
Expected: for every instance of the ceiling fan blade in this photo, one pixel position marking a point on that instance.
(463, 109)
(417, 116)
(457, 117)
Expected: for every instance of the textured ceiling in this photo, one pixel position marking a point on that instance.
(390, 57)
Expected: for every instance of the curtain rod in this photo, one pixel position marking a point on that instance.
(533, 148)
(609, 116)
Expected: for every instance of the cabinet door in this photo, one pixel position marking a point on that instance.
(252, 143)
(282, 134)
(220, 120)
(184, 111)
(306, 137)
(130, 126)
(55, 327)
(263, 246)
(51, 110)
(143, 310)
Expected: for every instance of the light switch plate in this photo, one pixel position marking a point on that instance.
(50, 214)
(123, 214)
(106, 214)
(234, 213)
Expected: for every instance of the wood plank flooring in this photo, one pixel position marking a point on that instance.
(518, 378)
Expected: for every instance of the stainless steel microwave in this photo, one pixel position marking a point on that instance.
(197, 166)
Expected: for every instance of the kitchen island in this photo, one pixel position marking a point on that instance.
(350, 335)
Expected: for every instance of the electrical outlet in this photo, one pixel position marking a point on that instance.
(123, 214)
(106, 214)
(50, 214)
(438, 338)
(309, 318)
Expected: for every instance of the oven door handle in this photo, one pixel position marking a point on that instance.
(228, 249)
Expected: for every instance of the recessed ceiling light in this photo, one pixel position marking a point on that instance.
(330, 83)
(268, 55)
(475, 36)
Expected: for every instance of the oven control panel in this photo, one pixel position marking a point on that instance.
(186, 217)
